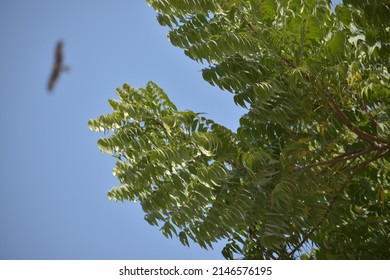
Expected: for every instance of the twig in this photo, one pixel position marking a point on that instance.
(250, 26)
(363, 104)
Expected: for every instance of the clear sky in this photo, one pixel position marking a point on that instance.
(53, 178)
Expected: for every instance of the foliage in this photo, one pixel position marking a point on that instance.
(306, 174)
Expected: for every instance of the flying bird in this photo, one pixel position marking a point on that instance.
(57, 66)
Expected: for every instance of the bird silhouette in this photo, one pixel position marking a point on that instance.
(58, 67)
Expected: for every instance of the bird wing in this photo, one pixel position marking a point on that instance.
(59, 53)
(56, 66)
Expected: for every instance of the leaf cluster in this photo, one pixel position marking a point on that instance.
(306, 174)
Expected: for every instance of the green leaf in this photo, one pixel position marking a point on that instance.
(183, 239)
(105, 146)
(336, 44)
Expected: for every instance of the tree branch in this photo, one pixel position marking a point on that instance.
(364, 163)
(343, 157)
(344, 119)
(337, 195)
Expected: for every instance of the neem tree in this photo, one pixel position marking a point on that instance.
(306, 174)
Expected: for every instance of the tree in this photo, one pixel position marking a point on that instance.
(306, 174)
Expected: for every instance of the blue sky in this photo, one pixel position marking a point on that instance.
(53, 178)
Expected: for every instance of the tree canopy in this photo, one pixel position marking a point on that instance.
(306, 174)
